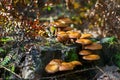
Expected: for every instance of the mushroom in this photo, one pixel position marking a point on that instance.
(60, 32)
(58, 26)
(85, 52)
(55, 61)
(67, 28)
(75, 63)
(66, 66)
(91, 57)
(86, 35)
(84, 41)
(53, 66)
(65, 20)
(62, 37)
(58, 65)
(73, 35)
(94, 46)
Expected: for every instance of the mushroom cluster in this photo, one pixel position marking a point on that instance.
(88, 46)
(62, 24)
(65, 34)
(84, 39)
(56, 65)
(68, 36)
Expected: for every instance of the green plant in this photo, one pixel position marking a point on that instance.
(116, 59)
(1, 50)
(71, 55)
(6, 39)
(111, 41)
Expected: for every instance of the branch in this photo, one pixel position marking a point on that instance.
(11, 71)
(62, 75)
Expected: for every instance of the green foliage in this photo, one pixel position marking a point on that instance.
(6, 60)
(49, 8)
(116, 59)
(6, 39)
(1, 50)
(12, 68)
(109, 40)
(71, 55)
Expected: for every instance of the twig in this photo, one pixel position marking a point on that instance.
(98, 73)
(100, 69)
(11, 71)
(62, 75)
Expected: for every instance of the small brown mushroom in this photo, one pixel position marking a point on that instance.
(65, 20)
(53, 66)
(68, 32)
(85, 52)
(58, 65)
(66, 66)
(94, 46)
(74, 34)
(61, 32)
(58, 26)
(86, 35)
(67, 29)
(91, 57)
(55, 61)
(75, 63)
(84, 41)
(62, 37)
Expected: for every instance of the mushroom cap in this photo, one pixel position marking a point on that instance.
(75, 63)
(67, 28)
(60, 32)
(52, 68)
(66, 66)
(86, 35)
(91, 57)
(74, 34)
(62, 37)
(58, 24)
(85, 52)
(84, 41)
(94, 46)
(55, 61)
(65, 20)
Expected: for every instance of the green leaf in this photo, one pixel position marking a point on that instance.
(52, 29)
(117, 59)
(49, 8)
(71, 55)
(108, 39)
(1, 50)
(6, 39)
(13, 68)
